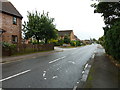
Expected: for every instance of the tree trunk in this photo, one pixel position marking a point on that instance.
(46, 41)
(38, 41)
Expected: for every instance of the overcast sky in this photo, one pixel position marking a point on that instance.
(76, 15)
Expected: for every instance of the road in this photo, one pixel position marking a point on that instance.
(56, 70)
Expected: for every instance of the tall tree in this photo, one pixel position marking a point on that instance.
(40, 27)
(111, 13)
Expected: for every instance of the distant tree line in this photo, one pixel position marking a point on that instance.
(111, 39)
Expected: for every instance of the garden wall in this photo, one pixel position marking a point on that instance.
(26, 48)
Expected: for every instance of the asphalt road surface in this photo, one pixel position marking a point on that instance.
(57, 70)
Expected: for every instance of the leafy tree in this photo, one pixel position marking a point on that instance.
(111, 13)
(32, 27)
(66, 39)
(40, 27)
(101, 40)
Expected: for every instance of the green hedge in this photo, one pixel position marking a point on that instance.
(112, 41)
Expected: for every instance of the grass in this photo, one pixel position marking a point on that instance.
(88, 83)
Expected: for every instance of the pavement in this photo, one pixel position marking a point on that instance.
(103, 73)
(21, 57)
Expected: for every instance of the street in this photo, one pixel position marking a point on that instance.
(61, 69)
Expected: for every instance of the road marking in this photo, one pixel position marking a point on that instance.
(57, 59)
(94, 51)
(83, 72)
(44, 73)
(55, 77)
(75, 87)
(86, 65)
(93, 56)
(71, 62)
(45, 78)
(15, 75)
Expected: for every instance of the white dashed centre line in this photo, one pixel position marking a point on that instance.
(55, 77)
(57, 59)
(15, 75)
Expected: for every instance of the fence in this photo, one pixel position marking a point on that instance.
(26, 48)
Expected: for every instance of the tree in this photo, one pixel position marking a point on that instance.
(40, 27)
(112, 41)
(111, 13)
(101, 40)
(66, 39)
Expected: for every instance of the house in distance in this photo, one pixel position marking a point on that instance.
(69, 33)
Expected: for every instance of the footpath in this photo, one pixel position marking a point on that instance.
(103, 73)
(22, 57)
(27, 56)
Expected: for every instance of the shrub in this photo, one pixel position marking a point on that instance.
(72, 43)
(75, 43)
(60, 42)
(112, 41)
(66, 40)
(8, 45)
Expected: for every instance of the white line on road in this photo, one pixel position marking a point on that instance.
(93, 56)
(15, 75)
(44, 73)
(45, 78)
(75, 87)
(71, 62)
(55, 77)
(57, 59)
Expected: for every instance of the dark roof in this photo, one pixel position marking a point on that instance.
(8, 8)
(64, 32)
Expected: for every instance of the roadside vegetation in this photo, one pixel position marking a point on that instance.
(111, 39)
(40, 27)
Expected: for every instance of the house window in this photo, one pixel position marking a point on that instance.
(14, 39)
(14, 20)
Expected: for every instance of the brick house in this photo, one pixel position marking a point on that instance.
(10, 23)
(69, 33)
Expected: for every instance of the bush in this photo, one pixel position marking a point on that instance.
(8, 45)
(66, 40)
(60, 42)
(112, 41)
(35, 42)
(8, 49)
(75, 43)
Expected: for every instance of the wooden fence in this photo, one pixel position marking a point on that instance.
(26, 48)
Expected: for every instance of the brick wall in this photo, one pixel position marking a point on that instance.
(10, 28)
(72, 37)
(27, 48)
